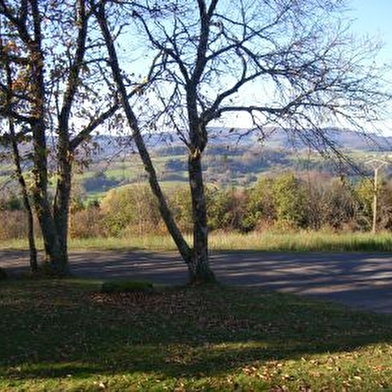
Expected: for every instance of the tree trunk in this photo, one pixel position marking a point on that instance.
(63, 193)
(40, 151)
(21, 179)
(41, 200)
(64, 149)
(164, 209)
(199, 266)
(30, 235)
(61, 211)
(40, 187)
(197, 258)
(26, 203)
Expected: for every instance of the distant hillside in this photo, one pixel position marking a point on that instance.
(279, 138)
(272, 138)
(234, 157)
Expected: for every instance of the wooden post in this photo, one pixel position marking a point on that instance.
(375, 194)
(376, 165)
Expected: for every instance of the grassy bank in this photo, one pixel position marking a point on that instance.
(301, 242)
(65, 335)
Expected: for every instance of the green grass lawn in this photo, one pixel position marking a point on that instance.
(67, 336)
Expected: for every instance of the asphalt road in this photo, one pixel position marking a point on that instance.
(360, 280)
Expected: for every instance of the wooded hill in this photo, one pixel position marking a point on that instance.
(234, 157)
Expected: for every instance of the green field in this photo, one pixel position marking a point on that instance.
(67, 336)
(238, 166)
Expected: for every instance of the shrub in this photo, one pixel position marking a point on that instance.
(340, 205)
(181, 206)
(260, 208)
(288, 195)
(130, 208)
(226, 209)
(13, 225)
(87, 223)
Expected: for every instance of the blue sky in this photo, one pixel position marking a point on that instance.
(374, 17)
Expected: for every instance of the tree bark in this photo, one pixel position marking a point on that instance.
(29, 23)
(61, 206)
(40, 160)
(197, 258)
(199, 266)
(19, 174)
(26, 201)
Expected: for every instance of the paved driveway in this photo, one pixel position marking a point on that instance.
(362, 280)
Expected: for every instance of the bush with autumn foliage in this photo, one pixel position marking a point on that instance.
(282, 203)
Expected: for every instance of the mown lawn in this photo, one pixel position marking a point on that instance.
(64, 335)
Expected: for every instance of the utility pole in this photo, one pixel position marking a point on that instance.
(376, 165)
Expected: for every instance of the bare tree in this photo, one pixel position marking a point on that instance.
(121, 84)
(286, 63)
(55, 101)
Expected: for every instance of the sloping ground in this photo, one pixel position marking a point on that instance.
(67, 336)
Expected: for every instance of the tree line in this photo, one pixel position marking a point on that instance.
(282, 203)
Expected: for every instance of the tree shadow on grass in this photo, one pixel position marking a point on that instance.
(53, 329)
(357, 279)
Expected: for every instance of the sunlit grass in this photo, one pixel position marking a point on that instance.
(66, 336)
(220, 241)
(17, 244)
(148, 242)
(226, 241)
(302, 241)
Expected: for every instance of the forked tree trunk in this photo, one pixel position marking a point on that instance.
(56, 258)
(53, 222)
(28, 21)
(65, 150)
(197, 258)
(40, 172)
